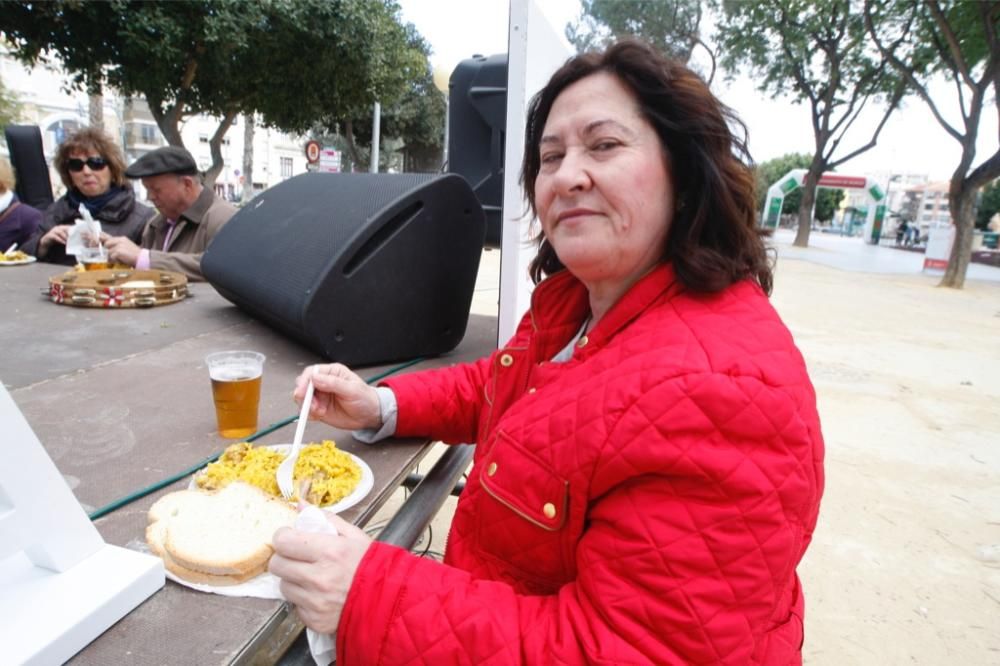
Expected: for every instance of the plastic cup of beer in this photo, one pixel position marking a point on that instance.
(236, 377)
(94, 258)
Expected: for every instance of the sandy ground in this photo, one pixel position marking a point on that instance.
(904, 567)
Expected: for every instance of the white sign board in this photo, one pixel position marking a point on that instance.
(61, 586)
(329, 160)
(535, 50)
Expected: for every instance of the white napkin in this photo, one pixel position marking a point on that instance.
(322, 646)
(85, 227)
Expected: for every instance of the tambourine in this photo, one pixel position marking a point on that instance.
(117, 288)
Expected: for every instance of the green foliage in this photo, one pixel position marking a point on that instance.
(989, 204)
(293, 63)
(673, 26)
(769, 172)
(417, 118)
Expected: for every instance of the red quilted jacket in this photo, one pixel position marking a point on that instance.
(645, 502)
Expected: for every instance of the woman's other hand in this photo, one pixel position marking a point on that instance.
(340, 397)
(57, 234)
(316, 570)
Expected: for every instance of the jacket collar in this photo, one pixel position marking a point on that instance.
(561, 301)
(195, 212)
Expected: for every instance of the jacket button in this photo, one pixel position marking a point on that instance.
(492, 469)
(549, 510)
(531, 390)
(506, 360)
(582, 342)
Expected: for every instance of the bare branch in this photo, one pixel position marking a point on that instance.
(954, 48)
(893, 103)
(908, 75)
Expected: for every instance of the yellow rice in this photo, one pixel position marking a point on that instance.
(333, 473)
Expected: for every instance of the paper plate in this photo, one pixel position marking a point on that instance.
(19, 262)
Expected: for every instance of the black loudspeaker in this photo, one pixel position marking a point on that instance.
(361, 268)
(27, 156)
(477, 129)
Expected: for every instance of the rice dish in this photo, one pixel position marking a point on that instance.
(332, 473)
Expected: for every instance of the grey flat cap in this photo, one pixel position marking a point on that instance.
(169, 159)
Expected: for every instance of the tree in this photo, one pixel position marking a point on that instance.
(672, 26)
(416, 120)
(989, 205)
(769, 172)
(292, 63)
(960, 41)
(817, 51)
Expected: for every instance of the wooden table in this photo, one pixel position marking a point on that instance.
(121, 400)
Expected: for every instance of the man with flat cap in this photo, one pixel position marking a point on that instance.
(188, 215)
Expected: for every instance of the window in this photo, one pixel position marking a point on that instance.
(286, 167)
(148, 134)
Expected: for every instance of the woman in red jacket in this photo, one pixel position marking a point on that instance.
(648, 462)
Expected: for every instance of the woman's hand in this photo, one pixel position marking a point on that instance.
(340, 398)
(57, 234)
(316, 570)
(121, 249)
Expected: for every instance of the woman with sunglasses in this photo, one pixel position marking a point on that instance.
(93, 169)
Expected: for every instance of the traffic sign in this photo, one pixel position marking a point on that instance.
(312, 152)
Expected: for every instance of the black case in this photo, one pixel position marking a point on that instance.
(477, 128)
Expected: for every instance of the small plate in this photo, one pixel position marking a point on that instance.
(19, 262)
(360, 491)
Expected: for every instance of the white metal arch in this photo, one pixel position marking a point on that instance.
(792, 180)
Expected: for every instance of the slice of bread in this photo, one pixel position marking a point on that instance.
(225, 534)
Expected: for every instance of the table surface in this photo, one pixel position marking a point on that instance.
(121, 400)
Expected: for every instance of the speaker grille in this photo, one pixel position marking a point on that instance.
(360, 267)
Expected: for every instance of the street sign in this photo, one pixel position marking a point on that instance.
(329, 160)
(312, 152)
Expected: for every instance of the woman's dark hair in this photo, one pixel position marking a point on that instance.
(714, 239)
(91, 139)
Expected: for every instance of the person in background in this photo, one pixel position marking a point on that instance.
(649, 460)
(18, 221)
(189, 215)
(93, 169)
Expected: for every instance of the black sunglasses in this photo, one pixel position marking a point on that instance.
(95, 164)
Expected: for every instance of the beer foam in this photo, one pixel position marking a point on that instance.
(234, 373)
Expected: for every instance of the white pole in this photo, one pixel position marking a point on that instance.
(376, 128)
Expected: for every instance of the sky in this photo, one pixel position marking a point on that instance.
(911, 143)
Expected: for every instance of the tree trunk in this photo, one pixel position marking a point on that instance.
(248, 132)
(961, 201)
(352, 147)
(215, 146)
(96, 110)
(806, 206)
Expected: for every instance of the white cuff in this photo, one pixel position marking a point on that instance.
(388, 410)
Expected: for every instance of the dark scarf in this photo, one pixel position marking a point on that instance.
(93, 204)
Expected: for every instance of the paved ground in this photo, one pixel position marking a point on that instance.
(905, 563)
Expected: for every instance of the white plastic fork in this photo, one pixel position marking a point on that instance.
(287, 466)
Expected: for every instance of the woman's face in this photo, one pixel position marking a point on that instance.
(89, 181)
(603, 193)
